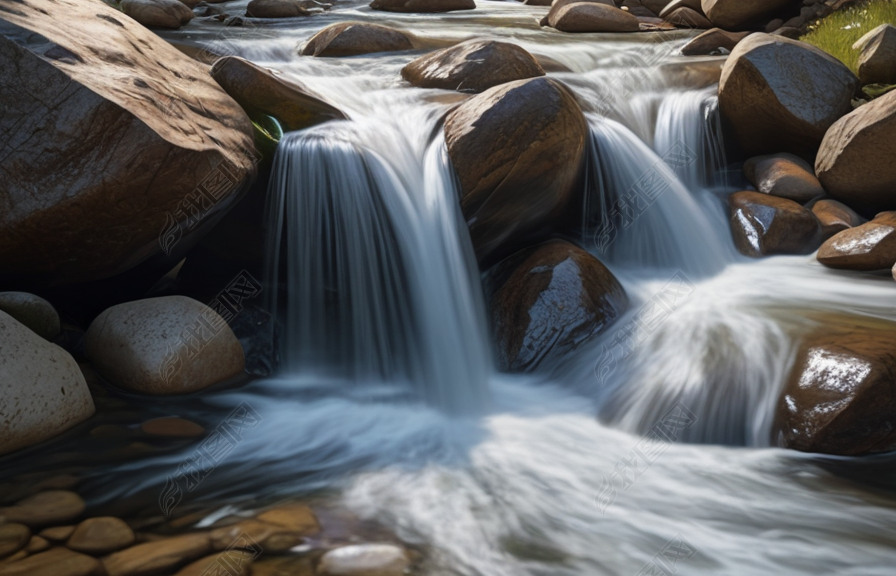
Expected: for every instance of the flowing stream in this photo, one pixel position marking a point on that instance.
(388, 395)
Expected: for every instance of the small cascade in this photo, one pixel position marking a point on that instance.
(379, 275)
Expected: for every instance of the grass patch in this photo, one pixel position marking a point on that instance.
(838, 32)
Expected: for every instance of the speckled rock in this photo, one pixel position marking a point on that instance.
(167, 345)
(42, 392)
(32, 311)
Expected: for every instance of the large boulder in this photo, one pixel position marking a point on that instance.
(840, 397)
(119, 147)
(591, 17)
(422, 5)
(353, 38)
(158, 13)
(855, 161)
(781, 95)
(740, 14)
(42, 391)
(783, 175)
(167, 345)
(472, 66)
(549, 299)
(518, 150)
(713, 41)
(877, 55)
(870, 246)
(762, 225)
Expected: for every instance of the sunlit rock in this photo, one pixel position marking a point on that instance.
(870, 246)
(548, 300)
(472, 66)
(353, 38)
(762, 225)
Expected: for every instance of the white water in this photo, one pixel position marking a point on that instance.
(555, 478)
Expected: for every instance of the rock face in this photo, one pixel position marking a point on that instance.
(158, 13)
(550, 299)
(422, 5)
(110, 161)
(783, 175)
(877, 58)
(167, 345)
(738, 14)
(591, 17)
(353, 38)
(32, 311)
(871, 246)
(276, 9)
(43, 391)
(841, 394)
(855, 161)
(472, 66)
(364, 560)
(518, 150)
(260, 92)
(781, 95)
(713, 41)
(835, 217)
(762, 225)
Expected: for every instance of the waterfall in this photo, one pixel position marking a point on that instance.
(380, 280)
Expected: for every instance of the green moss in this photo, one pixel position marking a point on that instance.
(838, 32)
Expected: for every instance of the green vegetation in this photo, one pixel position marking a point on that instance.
(838, 32)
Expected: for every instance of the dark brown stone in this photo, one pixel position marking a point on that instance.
(422, 5)
(762, 225)
(783, 175)
(353, 38)
(835, 217)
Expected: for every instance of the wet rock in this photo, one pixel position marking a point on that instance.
(364, 560)
(172, 427)
(260, 92)
(161, 556)
(295, 517)
(781, 95)
(840, 397)
(42, 392)
(422, 5)
(98, 536)
(518, 150)
(713, 41)
(353, 38)
(158, 13)
(870, 246)
(737, 14)
(762, 225)
(44, 508)
(276, 9)
(167, 345)
(13, 537)
(472, 66)
(783, 175)
(57, 533)
(549, 299)
(229, 563)
(687, 18)
(251, 534)
(591, 17)
(32, 311)
(855, 162)
(117, 129)
(53, 562)
(835, 217)
(877, 58)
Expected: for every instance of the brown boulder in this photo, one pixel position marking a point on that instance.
(713, 41)
(53, 562)
(118, 142)
(870, 246)
(840, 397)
(50, 507)
(260, 92)
(518, 150)
(877, 58)
(762, 225)
(422, 5)
(591, 17)
(740, 14)
(276, 9)
(782, 95)
(855, 162)
(687, 18)
(158, 13)
(353, 38)
(161, 556)
(228, 563)
(835, 217)
(549, 299)
(296, 517)
(472, 66)
(13, 537)
(783, 175)
(101, 535)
